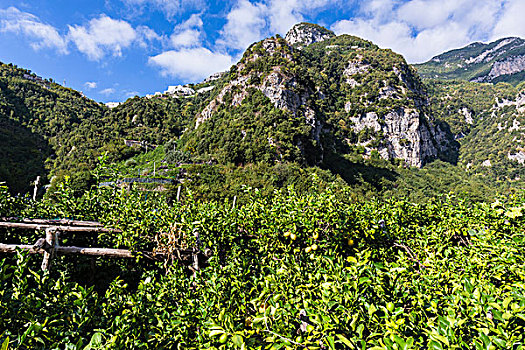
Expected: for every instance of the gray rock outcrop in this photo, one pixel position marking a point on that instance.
(304, 34)
(280, 88)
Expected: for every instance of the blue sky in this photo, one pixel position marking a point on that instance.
(115, 49)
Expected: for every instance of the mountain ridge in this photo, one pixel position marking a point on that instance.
(502, 60)
(322, 101)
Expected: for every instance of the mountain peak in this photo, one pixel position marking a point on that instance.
(304, 34)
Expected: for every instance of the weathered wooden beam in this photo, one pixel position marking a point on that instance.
(117, 253)
(54, 222)
(195, 263)
(62, 228)
(120, 253)
(11, 248)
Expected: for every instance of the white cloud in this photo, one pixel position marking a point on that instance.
(44, 35)
(188, 34)
(186, 38)
(245, 24)
(191, 63)
(90, 84)
(129, 94)
(511, 22)
(189, 59)
(195, 20)
(95, 39)
(102, 34)
(108, 91)
(145, 33)
(423, 14)
(421, 29)
(398, 36)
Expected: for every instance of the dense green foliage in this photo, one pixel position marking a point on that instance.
(366, 178)
(318, 270)
(238, 136)
(38, 118)
(22, 154)
(154, 120)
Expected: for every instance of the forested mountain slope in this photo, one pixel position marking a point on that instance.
(500, 61)
(488, 121)
(50, 129)
(44, 122)
(333, 98)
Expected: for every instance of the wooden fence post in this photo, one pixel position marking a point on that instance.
(195, 262)
(35, 190)
(178, 193)
(51, 240)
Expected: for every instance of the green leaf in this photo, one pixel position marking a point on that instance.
(96, 342)
(506, 302)
(399, 341)
(258, 320)
(371, 310)
(410, 342)
(441, 338)
(435, 345)
(500, 342)
(331, 342)
(216, 332)
(344, 340)
(238, 340)
(359, 330)
(5, 344)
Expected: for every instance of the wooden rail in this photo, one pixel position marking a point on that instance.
(115, 253)
(53, 222)
(37, 226)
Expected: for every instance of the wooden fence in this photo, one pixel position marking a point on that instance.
(50, 247)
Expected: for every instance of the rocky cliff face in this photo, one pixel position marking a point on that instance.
(304, 34)
(384, 106)
(278, 85)
(507, 66)
(345, 94)
(404, 135)
(265, 90)
(502, 60)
